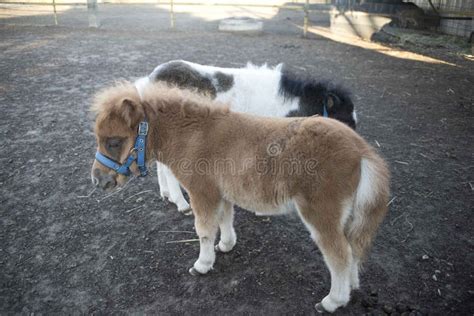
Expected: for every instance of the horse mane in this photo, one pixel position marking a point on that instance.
(106, 99)
(292, 85)
(265, 66)
(171, 99)
(161, 97)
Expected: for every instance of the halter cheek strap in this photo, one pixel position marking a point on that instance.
(140, 145)
(137, 153)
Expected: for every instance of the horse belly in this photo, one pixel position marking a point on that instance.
(259, 205)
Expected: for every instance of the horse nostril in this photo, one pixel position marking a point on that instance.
(95, 177)
(103, 180)
(108, 182)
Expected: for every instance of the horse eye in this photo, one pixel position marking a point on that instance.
(114, 143)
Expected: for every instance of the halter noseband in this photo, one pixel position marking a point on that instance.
(136, 153)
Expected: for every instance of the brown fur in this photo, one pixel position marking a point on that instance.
(267, 165)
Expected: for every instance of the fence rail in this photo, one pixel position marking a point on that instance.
(92, 6)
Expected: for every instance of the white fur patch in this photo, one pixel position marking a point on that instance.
(140, 84)
(255, 89)
(366, 189)
(346, 211)
(176, 196)
(207, 255)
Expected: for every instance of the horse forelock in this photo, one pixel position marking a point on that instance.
(109, 99)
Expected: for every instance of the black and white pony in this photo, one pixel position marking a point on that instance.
(258, 90)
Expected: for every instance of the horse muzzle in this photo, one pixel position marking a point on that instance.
(103, 180)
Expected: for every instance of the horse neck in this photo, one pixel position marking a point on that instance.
(171, 133)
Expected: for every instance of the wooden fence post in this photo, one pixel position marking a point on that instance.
(172, 14)
(306, 18)
(92, 12)
(55, 14)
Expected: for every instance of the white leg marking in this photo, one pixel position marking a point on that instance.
(340, 292)
(164, 191)
(207, 256)
(228, 236)
(355, 274)
(354, 266)
(175, 194)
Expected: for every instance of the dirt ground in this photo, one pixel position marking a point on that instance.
(63, 251)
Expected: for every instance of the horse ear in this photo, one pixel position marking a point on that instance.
(132, 112)
(331, 100)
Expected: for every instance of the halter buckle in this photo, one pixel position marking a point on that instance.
(143, 128)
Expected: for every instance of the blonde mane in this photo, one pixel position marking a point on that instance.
(161, 97)
(107, 98)
(171, 99)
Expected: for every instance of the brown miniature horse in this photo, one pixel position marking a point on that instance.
(316, 166)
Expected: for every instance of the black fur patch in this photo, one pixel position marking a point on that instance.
(185, 77)
(224, 82)
(314, 95)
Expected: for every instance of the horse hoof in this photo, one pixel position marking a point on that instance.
(319, 308)
(218, 249)
(187, 211)
(194, 272)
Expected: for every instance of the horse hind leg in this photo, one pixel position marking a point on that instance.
(326, 225)
(355, 283)
(346, 220)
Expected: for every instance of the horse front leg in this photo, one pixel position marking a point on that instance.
(164, 191)
(175, 194)
(206, 221)
(226, 225)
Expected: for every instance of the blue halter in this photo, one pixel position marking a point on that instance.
(136, 153)
(325, 111)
